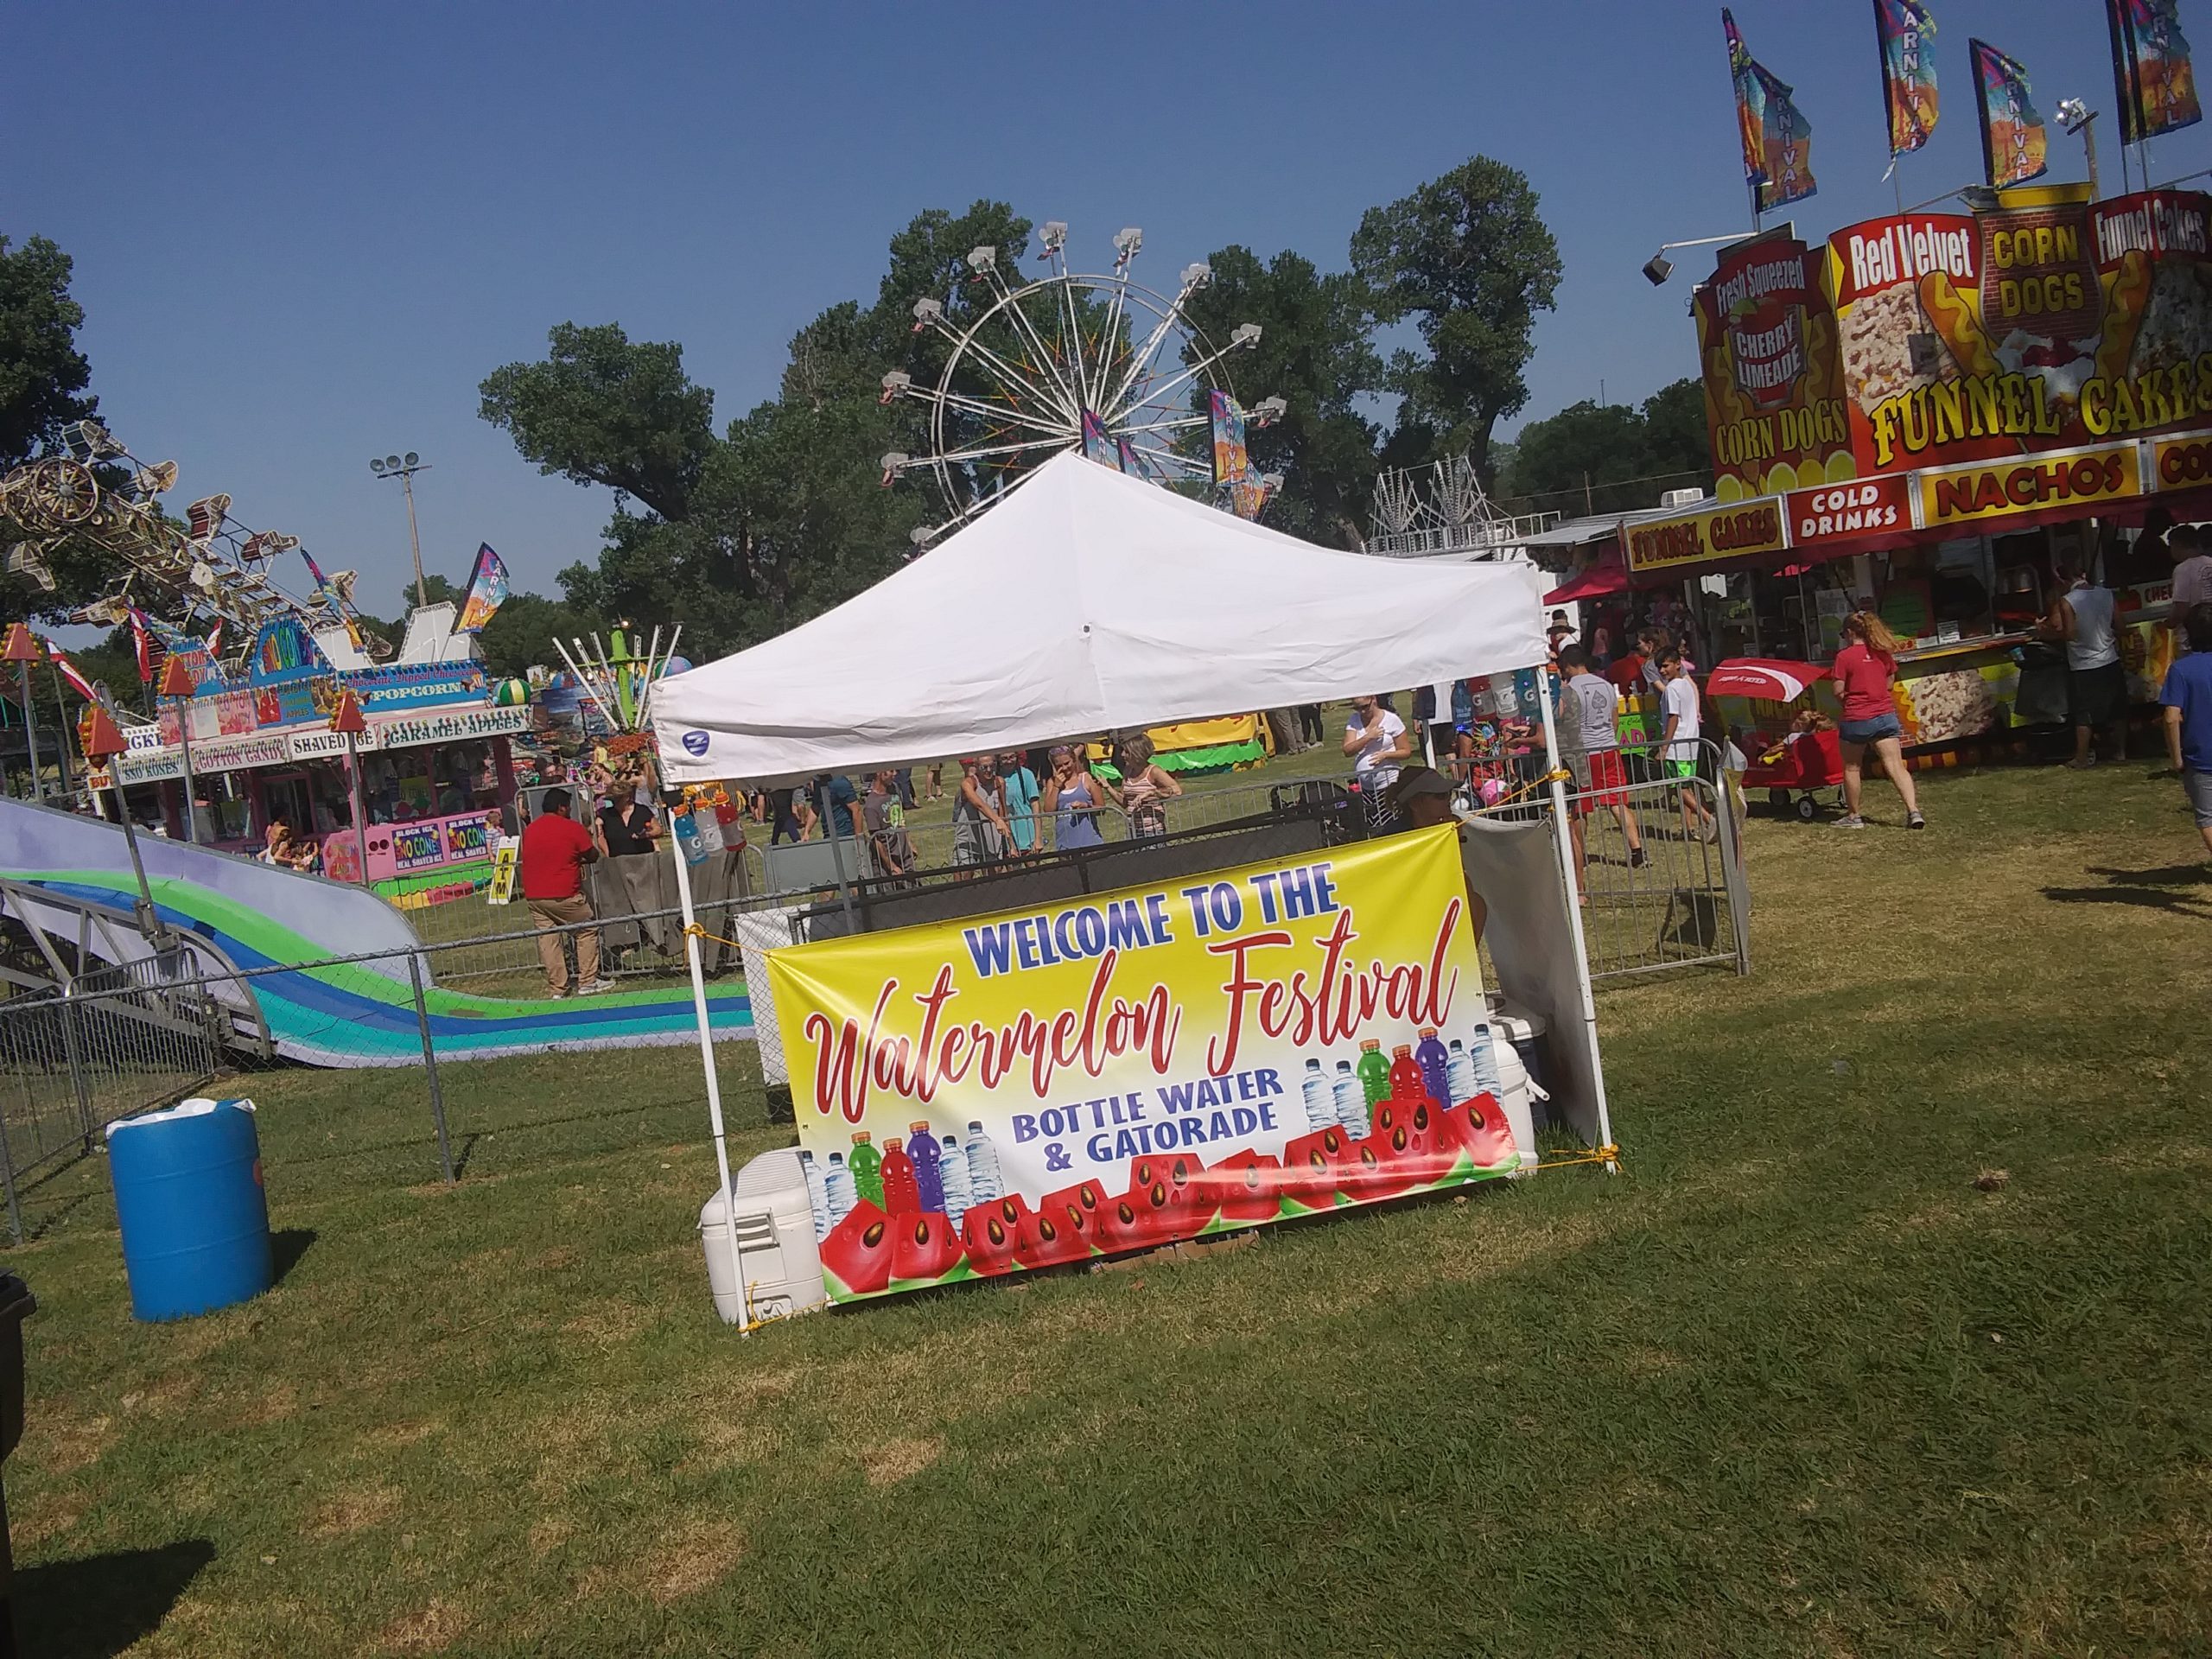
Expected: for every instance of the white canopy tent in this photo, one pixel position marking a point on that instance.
(1088, 601)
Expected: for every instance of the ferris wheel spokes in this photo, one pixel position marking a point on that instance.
(1247, 334)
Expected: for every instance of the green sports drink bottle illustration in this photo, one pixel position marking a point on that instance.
(866, 1165)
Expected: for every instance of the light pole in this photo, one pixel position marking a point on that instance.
(403, 467)
(2076, 117)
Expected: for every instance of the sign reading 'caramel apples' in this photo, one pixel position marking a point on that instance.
(1766, 341)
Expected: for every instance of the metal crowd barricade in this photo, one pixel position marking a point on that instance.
(1685, 903)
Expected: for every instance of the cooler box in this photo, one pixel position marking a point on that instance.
(189, 1201)
(775, 1251)
(1525, 1030)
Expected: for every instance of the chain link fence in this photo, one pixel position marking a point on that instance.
(472, 1040)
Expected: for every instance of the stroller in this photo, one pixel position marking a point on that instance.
(1793, 765)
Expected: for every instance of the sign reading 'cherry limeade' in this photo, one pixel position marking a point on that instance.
(1126, 1069)
(1766, 343)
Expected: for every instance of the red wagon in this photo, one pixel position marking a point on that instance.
(1790, 765)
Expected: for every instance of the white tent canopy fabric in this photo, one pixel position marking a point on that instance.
(1088, 601)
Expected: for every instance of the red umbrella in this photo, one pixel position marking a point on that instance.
(1605, 578)
(1770, 680)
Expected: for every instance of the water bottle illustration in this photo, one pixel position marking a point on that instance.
(984, 1185)
(837, 1193)
(817, 1193)
(901, 1196)
(1406, 1081)
(866, 1165)
(1320, 1102)
(1460, 1071)
(1435, 1064)
(929, 1181)
(1482, 1055)
(1352, 1100)
(952, 1172)
(1374, 1076)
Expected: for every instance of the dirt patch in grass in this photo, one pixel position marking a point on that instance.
(62, 1443)
(352, 1511)
(433, 1629)
(692, 1556)
(889, 1462)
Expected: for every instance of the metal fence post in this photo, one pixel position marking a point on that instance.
(8, 1169)
(1731, 874)
(430, 1064)
(76, 1063)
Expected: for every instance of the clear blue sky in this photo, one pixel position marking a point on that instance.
(303, 233)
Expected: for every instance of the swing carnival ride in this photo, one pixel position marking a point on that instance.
(1098, 363)
(209, 571)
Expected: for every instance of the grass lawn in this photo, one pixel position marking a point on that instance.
(1794, 1382)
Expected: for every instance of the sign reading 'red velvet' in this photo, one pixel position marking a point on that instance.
(1766, 340)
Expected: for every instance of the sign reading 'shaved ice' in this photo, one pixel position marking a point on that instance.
(1126, 1069)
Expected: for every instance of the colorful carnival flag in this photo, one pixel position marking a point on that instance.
(69, 671)
(1097, 444)
(1778, 139)
(488, 591)
(2012, 139)
(2151, 68)
(1906, 30)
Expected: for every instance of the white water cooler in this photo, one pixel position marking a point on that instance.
(779, 1264)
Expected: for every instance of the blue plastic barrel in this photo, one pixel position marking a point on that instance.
(189, 1200)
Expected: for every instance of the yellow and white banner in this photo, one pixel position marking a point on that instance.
(1123, 1070)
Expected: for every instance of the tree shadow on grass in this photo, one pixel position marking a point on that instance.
(2150, 889)
(103, 1605)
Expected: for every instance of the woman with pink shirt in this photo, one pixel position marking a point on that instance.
(1863, 670)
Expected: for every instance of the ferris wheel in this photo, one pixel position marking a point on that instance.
(1025, 369)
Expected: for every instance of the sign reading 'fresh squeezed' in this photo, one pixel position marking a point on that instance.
(1129, 1069)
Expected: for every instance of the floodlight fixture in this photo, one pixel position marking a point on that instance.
(1053, 236)
(1128, 241)
(1659, 267)
(1197, 274)
(1245, 333)
(1268, 410)
(982, 259)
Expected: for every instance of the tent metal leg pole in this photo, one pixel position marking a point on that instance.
(1565, 844)
(692, 960)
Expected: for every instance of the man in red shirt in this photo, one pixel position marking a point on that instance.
(555, 849)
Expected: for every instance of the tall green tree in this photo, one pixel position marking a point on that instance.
(740, 535)
(1610, 457)
(1317, 353)
(1469, 261)
(43, 378)
(602, 409)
